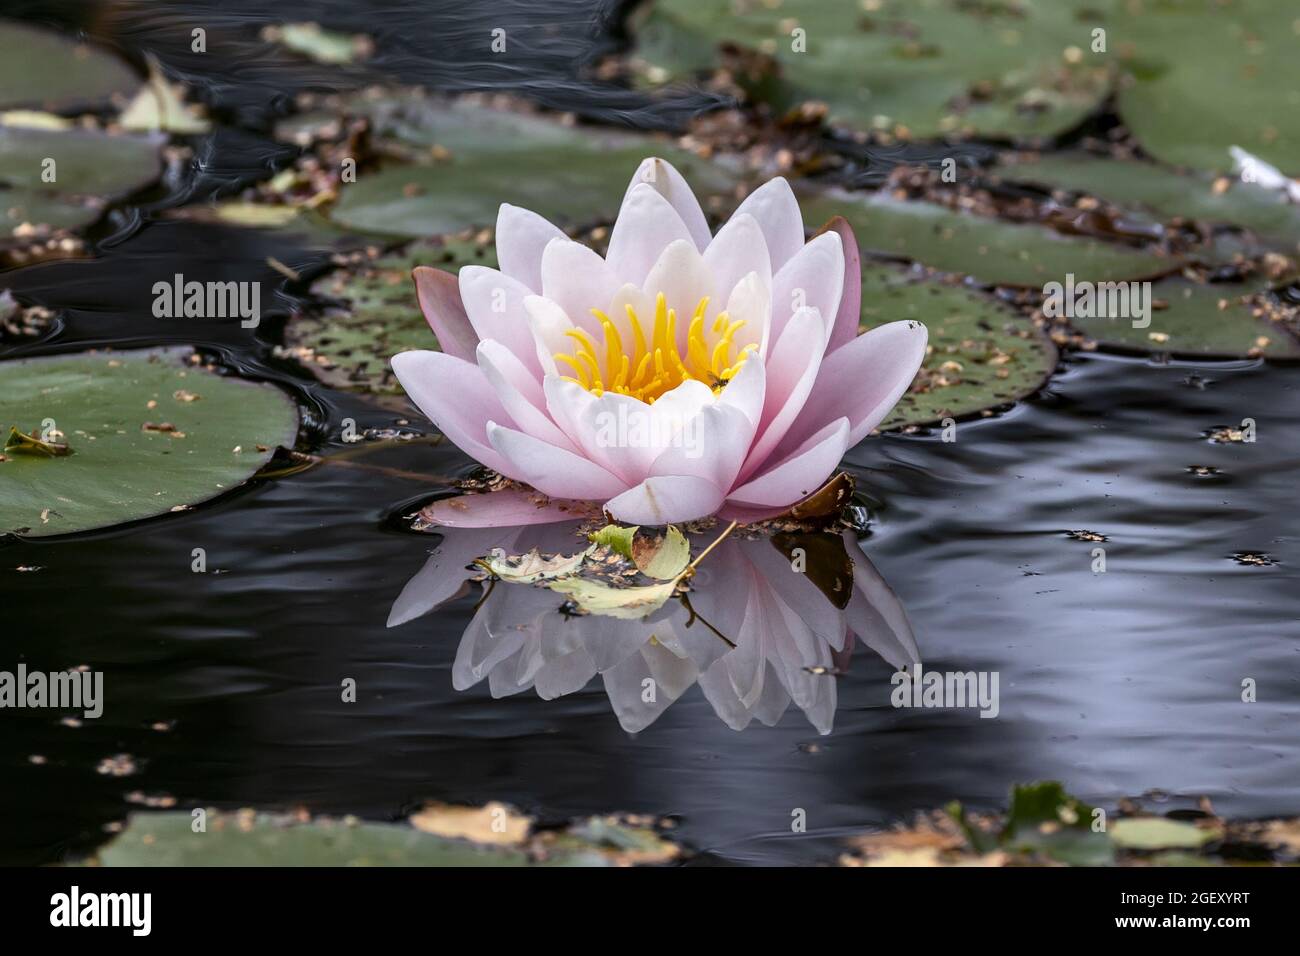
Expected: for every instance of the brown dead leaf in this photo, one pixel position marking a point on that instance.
(493, 823)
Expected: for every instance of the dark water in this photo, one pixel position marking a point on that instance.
(1116, 683)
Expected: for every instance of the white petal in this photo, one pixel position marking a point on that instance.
(521, 236)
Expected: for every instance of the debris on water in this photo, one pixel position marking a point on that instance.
(119, 765)
(1082, 535)
(1254, 559)
(1204, 471)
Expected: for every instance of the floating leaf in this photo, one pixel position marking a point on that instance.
(51, 72)
(161, 106)
(313, 42)
(493, 823)
(661, 556)
(532, 567)
(20, 444)
(629, 603)
(1158, 833)
(618, 538)
(121, 470)
(990, 250)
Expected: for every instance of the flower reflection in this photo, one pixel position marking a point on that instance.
(767, 620)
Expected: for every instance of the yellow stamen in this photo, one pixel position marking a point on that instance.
(649, 369)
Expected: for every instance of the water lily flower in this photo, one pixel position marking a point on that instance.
(680, 376)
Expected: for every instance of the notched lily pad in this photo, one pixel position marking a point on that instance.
(122, 470)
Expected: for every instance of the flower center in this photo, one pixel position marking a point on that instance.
(651, 369)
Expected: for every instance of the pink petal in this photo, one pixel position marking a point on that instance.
(681, 275)
(792, 369)
(845, 329)
(646, 225)
(801, 474)
(494, 303)
(737, 250)
(813, 279)
(521, 236)
(439, 295)
(862, 381)
(456, 397)
(777, 211)
(746, 390)
(520, 393)
(666, 500)
(509, 507)
(578, 280)
(552, 471)
(712, 445)
(670, 184)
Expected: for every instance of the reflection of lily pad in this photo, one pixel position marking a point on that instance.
(349, 346)
(981, 353)
(44, 70)
(88, 167)
(932, 66)
(990, 250)
(1158, 833)
(474, 159)
(1146, 186)
(1204, 319)
(203, 435)
(246, 838)
(1206, 76)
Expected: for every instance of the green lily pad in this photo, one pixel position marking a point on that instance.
(45, 70)
(474, 159)
(990, 250)
(1200, 319)
(981, 353)
(205, 435)
(90, 168)
(1043, 820)
(933, 66)
(349, 347)
(245, 838)
(1205, 76)
(1158, 833)
(1165, 193)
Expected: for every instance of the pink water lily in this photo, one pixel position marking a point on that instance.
(680, 376)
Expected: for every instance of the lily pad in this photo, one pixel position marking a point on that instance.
(1146, 186)
(1158, 833)
(1044, 820)
(45, 70)
(472, 159)
(248, 838)
(348, 346)
(981, 353)
(1215, 319)
(1205, 76)
(930, 66)
(89, 168)
(203, 435)
(990, 250)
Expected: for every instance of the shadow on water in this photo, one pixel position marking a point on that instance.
(224, 687)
